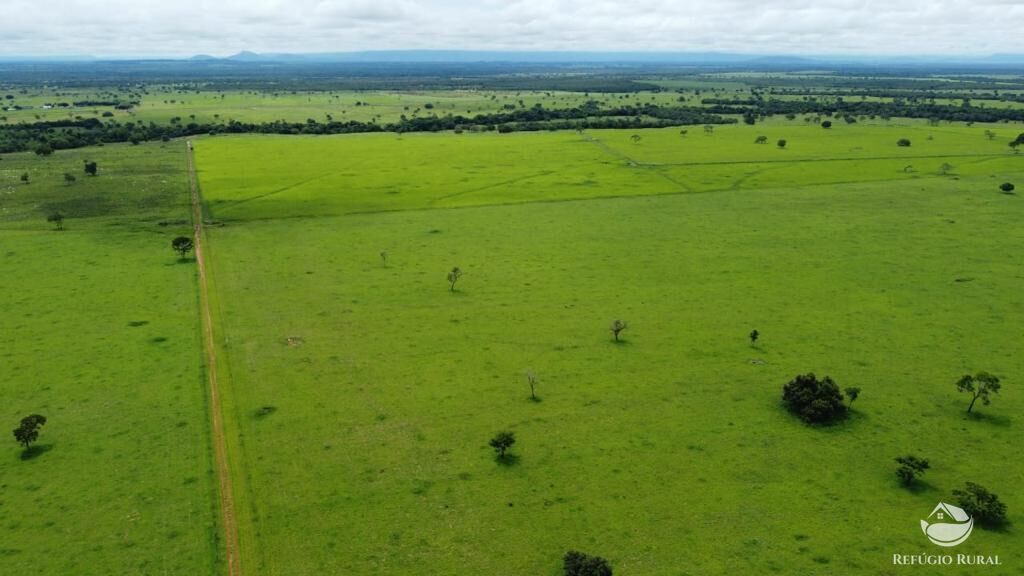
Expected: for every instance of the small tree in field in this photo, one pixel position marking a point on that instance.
(761, 140)
(384, 257)
(852, 393)
(910, 467)
(978, 386)
(781, 143)
(532, 379)
(945, 168)
(57, 219)
(903, 143)
(580, 564)
(990, 134)
(984, 506)
(1007, 187)
(501, 442)
(754, 335)
(28, 431)
(617, 327)
(453, 277)
(182, 245)
(90, 168)
(69, 178)
(826, 124)
(24, 177)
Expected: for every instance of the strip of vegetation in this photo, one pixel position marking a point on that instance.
(45, 137)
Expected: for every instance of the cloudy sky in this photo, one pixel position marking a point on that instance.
(223, 27)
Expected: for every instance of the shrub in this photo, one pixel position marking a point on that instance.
(814, 401)
(1007, 187)
(981, 504)
(580, 564)
(903, 142)
(910, 467)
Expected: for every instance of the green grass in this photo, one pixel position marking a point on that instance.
(362, 396)
(101, 335)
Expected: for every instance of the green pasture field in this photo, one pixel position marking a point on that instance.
(101, 335)
(361, 393)
(161, 104)
(260, 177)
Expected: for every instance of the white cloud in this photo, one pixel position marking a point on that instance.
(185, 27)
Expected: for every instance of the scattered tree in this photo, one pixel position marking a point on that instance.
(754, 335)
(903, 143)
(852, 393)
(979, 385)
(636, 138)
(761, 140)
(453, 277)
(990, 134)
(57, 219)
(617, 327)
(945, 168)
(580, 564)
(24, 177)
(28, 431)
(502, 441)
(182, 245)
(814, 401)
(384, 257)
(1007, 187)
(532, 379)
(910, 467)
(709, 129)
(69, 178)
(781, 143)
(984, 506)
(826, 124)
(90, 168)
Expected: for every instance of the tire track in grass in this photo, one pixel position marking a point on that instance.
(655, 168)
(220, 449)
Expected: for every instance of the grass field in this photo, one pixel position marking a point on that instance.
(101, 335)
(362, 394)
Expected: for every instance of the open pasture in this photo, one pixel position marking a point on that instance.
(101, 336)
(361, 391)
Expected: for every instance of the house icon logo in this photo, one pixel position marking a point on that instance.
(947, 525)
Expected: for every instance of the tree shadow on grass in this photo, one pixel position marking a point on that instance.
(919, 487)
(509, 460)
(35, 451)
(994, 419)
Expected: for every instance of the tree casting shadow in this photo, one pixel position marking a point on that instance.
(33, 452)
(508, 460)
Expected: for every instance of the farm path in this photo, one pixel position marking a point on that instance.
(227, 504)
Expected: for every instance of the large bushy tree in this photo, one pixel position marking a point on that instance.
(814, 401)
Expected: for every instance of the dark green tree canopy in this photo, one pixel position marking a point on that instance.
(502, 441)
(182, 245)
(984, 506)
(980, 385)
(814, 401)
(27, 431)
(910, 467)
(580, 564)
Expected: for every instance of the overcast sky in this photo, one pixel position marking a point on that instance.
(223, 27)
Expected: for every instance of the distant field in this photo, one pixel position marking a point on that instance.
(363, 393)
(101, 335)
(253, 177)
(162, 105)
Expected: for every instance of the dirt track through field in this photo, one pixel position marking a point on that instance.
(220, 449)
